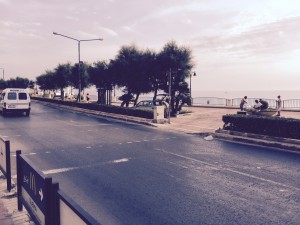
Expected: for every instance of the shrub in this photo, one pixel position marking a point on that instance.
(271, 126)
(148, 114)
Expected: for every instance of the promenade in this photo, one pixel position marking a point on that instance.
(207, 120)
(201, 120)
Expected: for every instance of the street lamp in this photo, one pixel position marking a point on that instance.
(170, 96)
(96, 39)
(192, 74)
(170, 92)
(3, 72)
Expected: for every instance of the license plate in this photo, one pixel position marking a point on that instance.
(11, 106)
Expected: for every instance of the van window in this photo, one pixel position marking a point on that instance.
(12, 96)
(22, 96)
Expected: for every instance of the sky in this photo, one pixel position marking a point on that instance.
(236, 44)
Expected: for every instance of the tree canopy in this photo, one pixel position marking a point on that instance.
(134, 70)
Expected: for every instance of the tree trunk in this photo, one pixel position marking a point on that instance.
(155, 93)
(136, 99)
(62, 94)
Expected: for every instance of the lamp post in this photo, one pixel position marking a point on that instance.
(170, 96)
(2, 72)
(79, 62)
(192, 74)
(169, 74)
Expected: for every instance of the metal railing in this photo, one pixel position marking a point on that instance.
(209, 101)
(291, 104)
(251, 101)
(235, 102)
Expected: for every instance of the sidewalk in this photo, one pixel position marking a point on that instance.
(201, 120)
(9, 214)
(207, 120)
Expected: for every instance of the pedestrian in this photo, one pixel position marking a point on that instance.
(87, 97)
(264, 104)
(278, 105)
(243, 102)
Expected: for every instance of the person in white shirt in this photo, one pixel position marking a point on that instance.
(257, 105)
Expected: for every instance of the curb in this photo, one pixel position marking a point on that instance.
(283, 144)
(105, 115)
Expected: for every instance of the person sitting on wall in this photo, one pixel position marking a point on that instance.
(264, 104)
(257, 105)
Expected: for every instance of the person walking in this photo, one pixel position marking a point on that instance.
(87, 97)
(243, 102)
(278, 105)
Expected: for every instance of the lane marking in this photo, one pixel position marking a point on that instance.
(67, 169)
(101, 146)
(230, 170)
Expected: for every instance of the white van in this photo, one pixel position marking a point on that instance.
(15, 100)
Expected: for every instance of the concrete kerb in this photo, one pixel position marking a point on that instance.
(106, 115)
(283, 144)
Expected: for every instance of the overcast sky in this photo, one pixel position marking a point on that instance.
(236, 44)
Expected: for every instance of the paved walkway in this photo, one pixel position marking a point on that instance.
(207, 120)
(201, 120)
(9, 214)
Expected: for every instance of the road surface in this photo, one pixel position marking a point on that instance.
(133, 174)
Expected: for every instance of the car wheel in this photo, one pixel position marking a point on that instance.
(27, 112)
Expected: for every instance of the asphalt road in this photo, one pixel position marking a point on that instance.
(132, 174)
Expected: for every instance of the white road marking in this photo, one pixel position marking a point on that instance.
(230, 170)
(67, 169)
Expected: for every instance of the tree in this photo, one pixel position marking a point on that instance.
(18, 82)
(101, 77)
(3, 84)
(130, 68)
(45, 81)
(84, 77)
(61, 77)
(174, 62)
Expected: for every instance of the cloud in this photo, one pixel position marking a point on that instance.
(270, 38)
(108, 31)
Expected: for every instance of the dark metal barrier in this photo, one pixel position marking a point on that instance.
(5, 161)
(34, 191)
(45, 203)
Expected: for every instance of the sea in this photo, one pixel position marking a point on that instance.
(229, 94)
(285, 94)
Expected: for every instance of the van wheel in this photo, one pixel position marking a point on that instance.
(27, 112)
